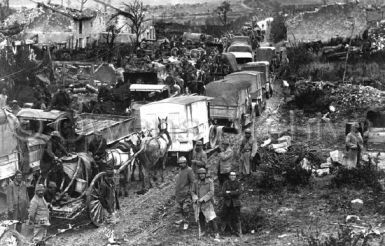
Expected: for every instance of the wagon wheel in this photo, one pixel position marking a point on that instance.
(98, 214)
(11, 237)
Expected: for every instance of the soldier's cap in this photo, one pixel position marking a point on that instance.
(248, 130)
(18, 172)
(199, 143)
(201, 171)
(182, 159)
(14, 101)
(55, 134)
(39, 187)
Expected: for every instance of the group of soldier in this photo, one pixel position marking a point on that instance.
(194, 188)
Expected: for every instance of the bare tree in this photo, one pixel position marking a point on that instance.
(135, 12)
(222, 12)
(82, 3)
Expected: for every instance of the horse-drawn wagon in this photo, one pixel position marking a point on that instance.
(81, 186)
(187, 119)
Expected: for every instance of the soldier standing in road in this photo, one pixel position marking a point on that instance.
(248, 149)
(231, 192)
(183, 186)
(39, 215)
(199, 157)
(202, 195)
(17, 200)
(225, 162)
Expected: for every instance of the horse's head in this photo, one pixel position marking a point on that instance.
(162, 125)
(134, 139)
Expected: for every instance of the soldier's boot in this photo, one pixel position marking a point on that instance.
(238, 229)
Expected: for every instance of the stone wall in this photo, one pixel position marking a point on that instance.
(327, 22)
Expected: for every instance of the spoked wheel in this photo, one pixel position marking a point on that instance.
(11, 238)
(98, 213)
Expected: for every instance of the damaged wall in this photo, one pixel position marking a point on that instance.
(327, 22)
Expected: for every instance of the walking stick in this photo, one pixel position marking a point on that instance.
(196, 206)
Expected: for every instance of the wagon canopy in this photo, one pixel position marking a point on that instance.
(225, 93)
(39, 114)
(8, 140)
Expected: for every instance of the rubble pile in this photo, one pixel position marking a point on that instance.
(286, 168)
(312, 96)
(350, 97)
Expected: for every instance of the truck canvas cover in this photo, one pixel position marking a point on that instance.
(225, 93)
(253, 78)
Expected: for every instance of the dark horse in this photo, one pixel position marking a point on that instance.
(154, 152)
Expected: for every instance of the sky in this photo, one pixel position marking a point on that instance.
(28, 3)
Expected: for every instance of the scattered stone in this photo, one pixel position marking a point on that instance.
(357, 204)
(322, 172)
(325, 165)
(352, 219)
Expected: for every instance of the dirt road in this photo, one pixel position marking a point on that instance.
(149, 219)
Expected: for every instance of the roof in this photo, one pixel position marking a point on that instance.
(39, 114)
(148, 87)
(242, 55)
(265, 63)
(182, 100)
(244, 72)
(266, 48)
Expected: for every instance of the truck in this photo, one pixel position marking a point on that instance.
(254, 78)
(243, 52)
(264, 67)
(231, 105)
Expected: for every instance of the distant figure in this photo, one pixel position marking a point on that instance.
(199, 157)
(15, 107)
(354, 146)
(17, 200)
(60, 101)
(248, 149)
(225, 162)
(3, 98)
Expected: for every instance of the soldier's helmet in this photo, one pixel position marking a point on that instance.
(182, 159)
(201, 171)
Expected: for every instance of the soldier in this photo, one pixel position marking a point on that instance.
(54, 150)
(202, 195)
(231, 192)
(248, 149)
(199, 157)
(39, 215)
(17, 200)
(225, 162)
(97, 147)
(183, 186)
(3, 98)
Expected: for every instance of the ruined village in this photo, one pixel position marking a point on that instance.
(221, 122)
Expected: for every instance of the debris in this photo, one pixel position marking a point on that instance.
(322, 172)
(305, 164)
(352, 219)
(266, 143)
(337, 156)
(357, 204)
(325, 165)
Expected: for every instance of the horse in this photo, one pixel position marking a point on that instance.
(154, 152)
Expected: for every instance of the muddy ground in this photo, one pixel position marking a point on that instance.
(288, 216)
